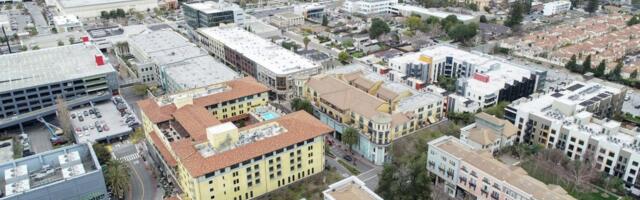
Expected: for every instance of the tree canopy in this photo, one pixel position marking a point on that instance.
(378, 28)
(592, 6)
(350, 136)
(463, 32)
(515, 15)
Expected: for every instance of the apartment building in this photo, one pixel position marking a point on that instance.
(212, 13)
(211, 158)
(270, 64)
(381, 110)
(556, 7)
(537, 116)
(488, 133)
(466, 172)
(166, 58)
(368, 7)
(31, 81)
(348, 189)
(482, 78)
(70, 172)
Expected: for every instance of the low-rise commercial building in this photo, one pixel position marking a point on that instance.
(211, 158)
(71, 172)
(93, 8)
(311, 11)
(481, 77)
(212, 13)
(467, 172)
(381, 110)
(31, 81)
(556, 7)
(489, 133)
(66, 23)
(368, 7)
(408, 10)
(166, 58)
(271, 64)
(286, 20)
(349, 189)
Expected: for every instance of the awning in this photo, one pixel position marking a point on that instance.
(431, 119)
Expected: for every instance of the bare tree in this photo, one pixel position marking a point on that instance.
(64, 118)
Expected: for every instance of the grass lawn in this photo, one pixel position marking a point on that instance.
(595, 195)
(349, 167)
(309, 188)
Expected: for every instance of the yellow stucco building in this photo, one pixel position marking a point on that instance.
(211, 158)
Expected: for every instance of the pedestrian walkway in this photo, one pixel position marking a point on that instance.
(130, 157)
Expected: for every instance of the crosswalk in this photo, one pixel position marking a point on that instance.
(130, 157)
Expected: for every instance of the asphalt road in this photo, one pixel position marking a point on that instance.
(143, 185)
(38, 18)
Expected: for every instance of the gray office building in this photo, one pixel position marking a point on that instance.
(212, 13)
(31, 81)
(71, 172)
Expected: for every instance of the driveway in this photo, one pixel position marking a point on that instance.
(38, 18)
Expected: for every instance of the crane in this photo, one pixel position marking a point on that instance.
(53, 129)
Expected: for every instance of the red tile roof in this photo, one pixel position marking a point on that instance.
(168, 158)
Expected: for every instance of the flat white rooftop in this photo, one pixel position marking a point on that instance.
(199, 72)
(81, 3)
(65, 20)
(213, 6)
(50, 65)
(266, 54)
(433, 12)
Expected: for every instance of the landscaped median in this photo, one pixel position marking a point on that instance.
(349, 167)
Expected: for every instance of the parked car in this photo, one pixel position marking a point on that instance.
(99, 128)
(85, 113)
(80, 118)
(105, 128)
(6, 144)
(348, 158)
(78, 129)
(73, 115)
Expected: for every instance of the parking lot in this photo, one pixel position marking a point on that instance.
(103, 121)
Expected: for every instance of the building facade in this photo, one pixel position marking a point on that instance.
(368, 7)
(556, 7)
(71, 172)
(488, 133)
(211, 158)
(212, 13)
(31, 81)
(286, 20)
(466, 172)
(311, 11)
(270, 64)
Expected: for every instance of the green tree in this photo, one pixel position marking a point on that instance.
(72, 40)
(378, 28)
(634, 74)
(515, 15)
(408, 180)
(586, 65)
(497, 110)
(571, 65)
(117, 177)
(102, 153)
(614, 75)
(113, 14)
(592, 6)
(633, 21)
(413, 23)
(60, 43)
(344, 57)
(325, 20)
(140, 89)
(350, 137)
(64, 119)
(120, 13)
(461, 118)
(447, 83)
(8, 7)
(347, 43)
(483, 19)
(449, 22)
(104, 14)
(599, 71)
(306, 41)
(301, 104)
(463, 32)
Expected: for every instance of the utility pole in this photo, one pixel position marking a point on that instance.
(6, 38)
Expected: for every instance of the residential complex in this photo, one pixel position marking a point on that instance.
(93, 8)
(349, 189)
(381, 110)
(166, 58)
(212, 13)
(211, 158)
(31, 81)
(481, 77)
(70, 172)
(556, 7)
(535, 115)
(467, 172)
(271, 64)
(488, 133)
(604, 37)
(368, 7)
